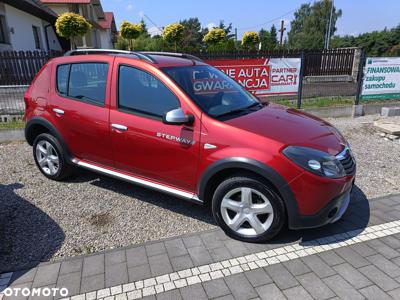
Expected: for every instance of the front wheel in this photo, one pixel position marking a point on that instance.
(248, 210)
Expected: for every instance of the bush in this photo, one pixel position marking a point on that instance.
(215, 36)
(70, 25)
(250, 39)
(173, 33)
(130, 32)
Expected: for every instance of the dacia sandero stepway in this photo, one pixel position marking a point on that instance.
(170, 122)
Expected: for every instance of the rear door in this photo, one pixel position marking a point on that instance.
(80, 106)
(144, 145)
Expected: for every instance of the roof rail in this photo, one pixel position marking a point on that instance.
(172, 54)
(139, 55)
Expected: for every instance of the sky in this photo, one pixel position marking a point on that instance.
(358, 16)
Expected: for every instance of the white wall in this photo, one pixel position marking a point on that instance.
(105, 39)
(54, 44)
(21, 23)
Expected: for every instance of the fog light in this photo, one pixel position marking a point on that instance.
(315, 165)
(332, 212)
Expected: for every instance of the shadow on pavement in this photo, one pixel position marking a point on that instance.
(355, 219)
(28, 235)
(177, 205)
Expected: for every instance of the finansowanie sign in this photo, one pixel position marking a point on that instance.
(271, 76)
(381, 78)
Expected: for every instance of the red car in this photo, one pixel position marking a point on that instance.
(171, 122)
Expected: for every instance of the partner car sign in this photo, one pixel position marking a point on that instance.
(271, 76)
(381, 78)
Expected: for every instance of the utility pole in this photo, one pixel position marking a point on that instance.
(328, 35)
(282, 31)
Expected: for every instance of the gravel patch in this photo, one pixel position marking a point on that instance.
(378, 160)
(44, 220)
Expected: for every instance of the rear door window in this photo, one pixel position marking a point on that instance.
(83, 81)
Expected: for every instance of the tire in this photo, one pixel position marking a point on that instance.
(263, 206)
(50, 157)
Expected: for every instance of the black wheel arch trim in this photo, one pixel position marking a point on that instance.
(52, 130)
(263, 170)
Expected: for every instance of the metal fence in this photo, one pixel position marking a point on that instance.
(316, 62)
(20, 67)
(12, 100)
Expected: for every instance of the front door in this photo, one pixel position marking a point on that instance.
(142, 143)
(80, 108)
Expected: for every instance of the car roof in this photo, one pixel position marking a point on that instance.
(157, 59)
(169, 61)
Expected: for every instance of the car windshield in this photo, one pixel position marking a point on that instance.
(214, 92)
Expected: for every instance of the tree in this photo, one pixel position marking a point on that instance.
(130, 32)
(70, 26)
(273, 36)
(250, 40)
(227, 29)
(214, 36)
(192, 37)
(173, 33)
(265, 39)
(144, 31)
(375, 43)
(309, 27)
(121, 44)
(395, 50)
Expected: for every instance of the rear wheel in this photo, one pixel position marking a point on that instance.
(248, 210)
(50, 157)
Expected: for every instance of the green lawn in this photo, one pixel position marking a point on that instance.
(12, 125)
(318, 102)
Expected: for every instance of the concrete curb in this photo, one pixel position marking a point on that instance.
(349, 110)
(12, 135)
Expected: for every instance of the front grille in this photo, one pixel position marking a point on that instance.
(347, 161)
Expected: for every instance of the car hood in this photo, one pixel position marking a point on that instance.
(291, 127)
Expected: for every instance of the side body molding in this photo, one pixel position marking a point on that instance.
(257, 167)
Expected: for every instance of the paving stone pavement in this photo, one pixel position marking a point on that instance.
(355, 258)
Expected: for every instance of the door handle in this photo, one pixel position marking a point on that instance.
(119, 127)
(58, 111)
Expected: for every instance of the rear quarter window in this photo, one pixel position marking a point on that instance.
(62, 79)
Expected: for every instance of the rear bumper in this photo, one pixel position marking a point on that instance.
(331, 213)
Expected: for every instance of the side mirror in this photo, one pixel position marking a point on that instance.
(177, 117)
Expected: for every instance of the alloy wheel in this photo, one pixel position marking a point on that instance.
(47, 157)
(247, 211)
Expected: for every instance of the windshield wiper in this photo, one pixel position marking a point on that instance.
(239, 110)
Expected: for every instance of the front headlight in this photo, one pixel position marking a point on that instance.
(315, 161)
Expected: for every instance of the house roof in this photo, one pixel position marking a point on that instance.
(35, 8)
(108, 20)
(66, 1)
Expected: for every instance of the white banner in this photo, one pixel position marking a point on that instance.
(381, 78)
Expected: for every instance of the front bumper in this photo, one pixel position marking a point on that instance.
(331, 213)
